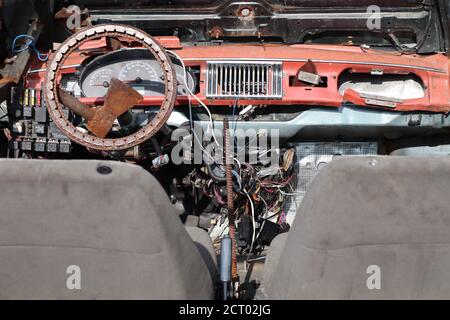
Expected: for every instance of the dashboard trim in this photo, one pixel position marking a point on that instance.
(366, 63)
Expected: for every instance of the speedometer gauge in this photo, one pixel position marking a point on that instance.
(141, 76)
(134, 67)
(136, 71)
(96, 83)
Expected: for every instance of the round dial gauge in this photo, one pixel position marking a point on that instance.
(97, 83)
(140, 75)
(134, 67)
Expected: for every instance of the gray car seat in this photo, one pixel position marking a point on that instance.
(95, 230)
(368, 228)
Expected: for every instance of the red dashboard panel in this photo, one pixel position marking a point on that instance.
(330, 62)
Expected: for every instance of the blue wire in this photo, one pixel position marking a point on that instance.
(30, 43)
(238, 178)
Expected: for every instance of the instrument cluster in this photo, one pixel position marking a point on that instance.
(135, 67)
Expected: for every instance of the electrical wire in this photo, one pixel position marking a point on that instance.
(29, 44)
(253, 223)
(191, 94)
(238, 178)
(239, 173)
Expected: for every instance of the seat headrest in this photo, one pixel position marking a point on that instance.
(376, 200)
(102, 204)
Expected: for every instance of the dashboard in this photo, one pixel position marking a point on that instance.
(224, 75)
(135, 67)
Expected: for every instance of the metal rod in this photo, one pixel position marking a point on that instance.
(230, 206)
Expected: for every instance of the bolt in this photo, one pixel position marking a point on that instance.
(245, 12)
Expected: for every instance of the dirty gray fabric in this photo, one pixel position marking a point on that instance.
(392, 212)
(272, 259)
(118, 228)
(205, 247)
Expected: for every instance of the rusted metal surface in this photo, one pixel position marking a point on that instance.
(75, 105)
(55, 107)
(230, 197)
(119, 99)
(291, 21)
(15, 66)
(115, 44)
(67, 13)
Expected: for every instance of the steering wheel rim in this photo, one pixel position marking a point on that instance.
(55, 107)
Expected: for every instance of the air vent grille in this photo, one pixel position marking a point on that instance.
(244, 80)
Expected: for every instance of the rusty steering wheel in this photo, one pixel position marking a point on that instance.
(119, 98)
